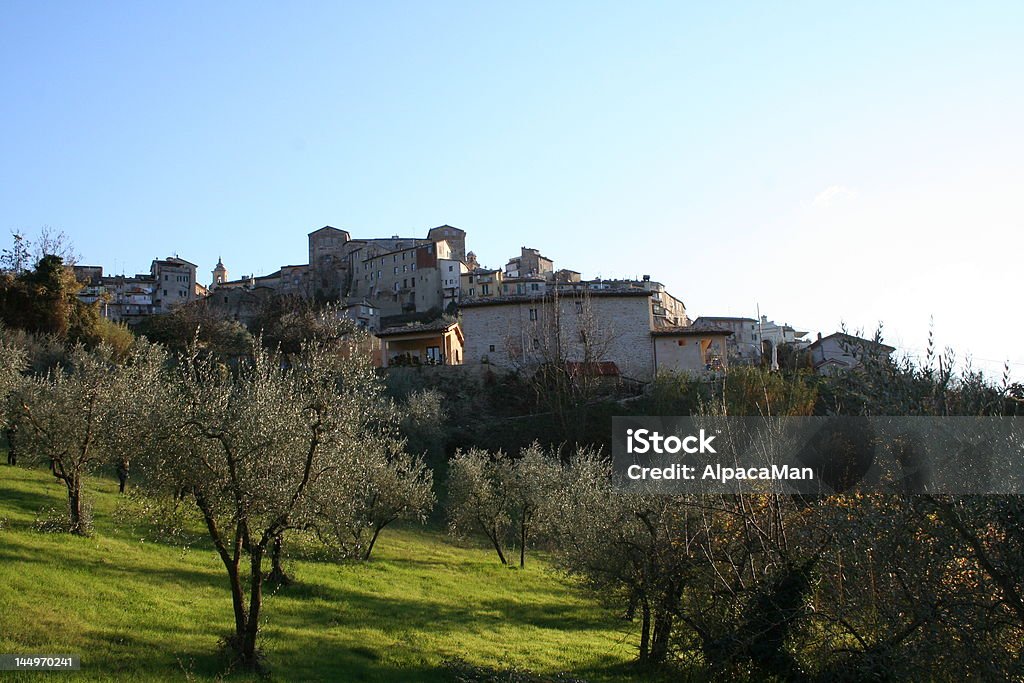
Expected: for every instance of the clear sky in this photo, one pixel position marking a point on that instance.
(856, 162)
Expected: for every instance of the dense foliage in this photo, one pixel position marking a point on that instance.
(845, 587)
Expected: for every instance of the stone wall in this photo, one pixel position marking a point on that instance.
(504, 333)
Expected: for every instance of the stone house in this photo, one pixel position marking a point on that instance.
(529, 263)
(744, 344)
(522, 331)
(170, 282)
(175, 280)
(481, 283)
(839, 352)
(693, 349)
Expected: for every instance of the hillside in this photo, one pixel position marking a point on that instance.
(138, 609)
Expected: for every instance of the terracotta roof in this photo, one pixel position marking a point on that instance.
(851, 339)
(439, 325)
(527, 298)
(328, 227)
(175, 261)
(723, 318)
(694, 330)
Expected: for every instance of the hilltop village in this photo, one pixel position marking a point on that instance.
(428, 301)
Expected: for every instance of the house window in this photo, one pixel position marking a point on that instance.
(396, 270)
(434, 354)
(535, 286)
(533, 314)
(450, 268)
(491, 348)
(485, 289)
(471, 291)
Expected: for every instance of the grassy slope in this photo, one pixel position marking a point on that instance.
(143, 610)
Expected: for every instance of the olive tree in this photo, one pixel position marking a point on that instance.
(83, 415)
(535, 477)
(506, 498)
(630, 549)
(708, 576)
(384, 484)
(479, 496)
(258, 448)
(13, 361)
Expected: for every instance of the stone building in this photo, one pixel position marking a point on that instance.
(744, 344)
(121, 299)
(175, 280)
(418, 278)
(693, 349)
(839, 352)
(220, 274)
(365, 315)
(481, 283)
(753, 341)
(529, 263)
(668, 311)
(517, 332)
(240, 303)
(341, 267)
(455, 238)
(564, 276)
(784, 333)
(527, 284)
(170, 282)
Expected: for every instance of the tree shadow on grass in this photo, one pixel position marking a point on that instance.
(28, 504)
(447, 614)
(313, 626)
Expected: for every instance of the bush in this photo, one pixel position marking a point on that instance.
(54, 520)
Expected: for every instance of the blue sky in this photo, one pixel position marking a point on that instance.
(861, 162)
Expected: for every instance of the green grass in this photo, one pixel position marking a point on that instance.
(135, 609)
